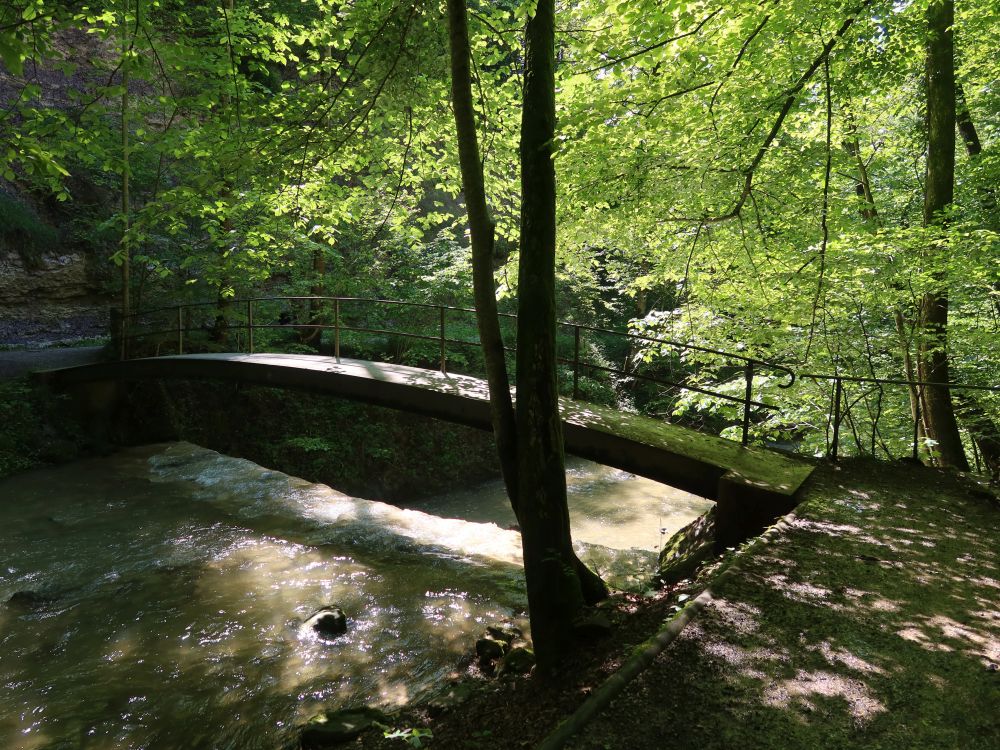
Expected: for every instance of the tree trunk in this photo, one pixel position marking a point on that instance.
(939, 414)
(966, 127)
(555, 594)
(983, 429)
(529, 441)
(316, 307)
(481, 231)
(126, 250)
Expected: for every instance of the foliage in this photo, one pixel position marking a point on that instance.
(412, 736)
(21, 229)
(36, 429)
(744, 177)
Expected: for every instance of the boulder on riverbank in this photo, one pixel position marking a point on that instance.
(687, 549)
(337, 727)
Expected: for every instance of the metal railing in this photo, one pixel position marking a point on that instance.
(174, 326)
(242, 318)
(843, 405)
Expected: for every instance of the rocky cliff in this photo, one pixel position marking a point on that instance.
(55, 298)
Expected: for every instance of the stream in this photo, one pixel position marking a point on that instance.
(156, 598)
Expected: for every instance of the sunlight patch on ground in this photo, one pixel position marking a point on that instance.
(871, 600)
(800, 591)
(981, 643)
(838, 529)
(739, 617)
(835, 656)
(802, 690)
(749, 661)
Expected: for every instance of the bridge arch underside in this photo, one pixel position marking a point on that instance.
(752, 486)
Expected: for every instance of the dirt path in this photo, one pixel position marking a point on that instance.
(16, 363)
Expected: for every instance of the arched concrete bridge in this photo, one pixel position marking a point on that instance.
(752, 486)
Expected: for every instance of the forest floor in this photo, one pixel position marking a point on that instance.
(869, 619)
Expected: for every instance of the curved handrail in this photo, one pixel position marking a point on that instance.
(751, 365)
(787, 371)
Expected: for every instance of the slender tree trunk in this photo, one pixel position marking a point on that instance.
(909, 373)
(481, 230)
(126, 250)
(939, 414)
(555, 594)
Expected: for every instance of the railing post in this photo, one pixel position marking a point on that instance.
(837, 391)
(117, 326)
(250, 325)
(576, 362)
(180, 329)
(748, 375)
(126, 332)
(336, 329)
(443, 353)
(916, 424)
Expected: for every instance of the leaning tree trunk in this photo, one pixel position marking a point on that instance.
(939, 188)
(481, 230)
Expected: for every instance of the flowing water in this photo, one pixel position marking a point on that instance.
(156, 598)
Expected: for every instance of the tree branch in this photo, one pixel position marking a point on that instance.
(658, 45)
(790, 99)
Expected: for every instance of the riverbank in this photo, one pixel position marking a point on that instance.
(870, 619)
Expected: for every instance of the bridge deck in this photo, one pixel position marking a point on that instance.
(747, 480)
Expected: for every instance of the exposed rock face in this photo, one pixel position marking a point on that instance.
(54, 298)
(686, 550)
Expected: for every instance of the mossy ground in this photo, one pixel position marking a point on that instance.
(872, 620)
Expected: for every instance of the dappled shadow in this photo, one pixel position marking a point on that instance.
(178, 620)
(870, 619)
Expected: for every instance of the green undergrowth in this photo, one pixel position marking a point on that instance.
(22, 230)
(36, 428)
(872, 620)
(363, 450)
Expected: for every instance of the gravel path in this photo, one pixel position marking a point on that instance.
(16, 363)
